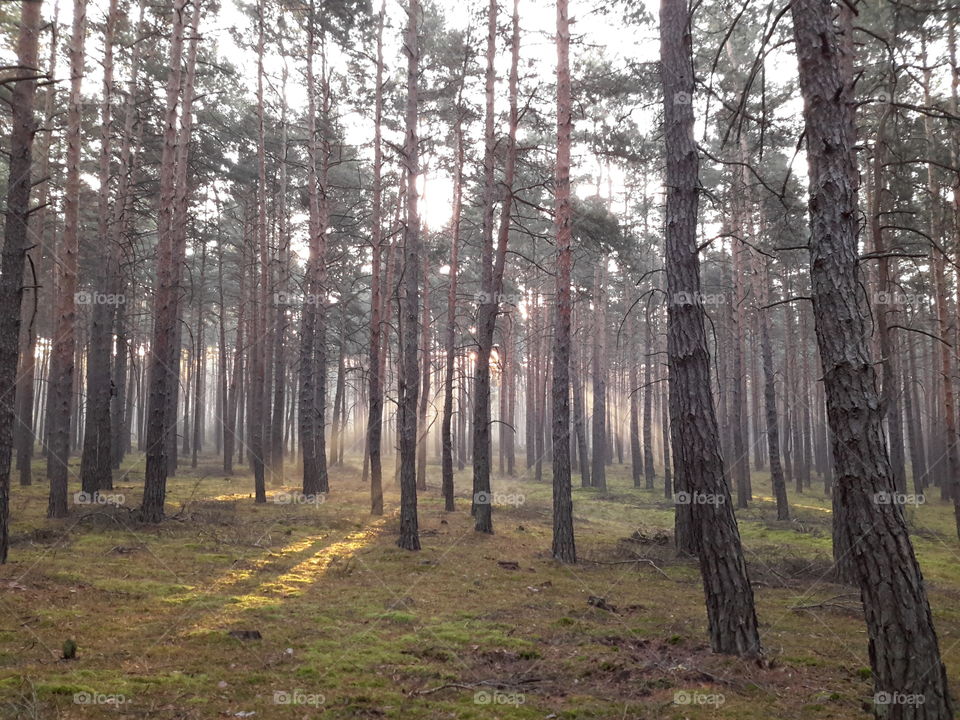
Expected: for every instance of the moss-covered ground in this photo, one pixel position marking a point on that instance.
(303, 610)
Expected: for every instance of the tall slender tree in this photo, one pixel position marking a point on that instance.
(409, 377)
(899, 622)
(16, 241)
(695, 437)
(564, 546)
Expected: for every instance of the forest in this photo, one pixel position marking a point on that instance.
(495, 359)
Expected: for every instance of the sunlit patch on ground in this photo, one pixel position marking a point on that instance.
(230, 605)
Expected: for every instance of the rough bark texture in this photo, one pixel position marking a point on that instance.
(375, 414)
(904, 652)
(693, 422)
(409, 377)
(16, 242)
(96, 461)
(64, 343)
(564, 547)
(161, 376)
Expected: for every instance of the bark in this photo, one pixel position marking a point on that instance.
(409, 377)
(904, 652)
(282, 318)
(259, 343)
(564, 546)
(450, 336)
(693, 422)
(375, 414)
(492, 265)
(162, 376)
(64, 344)
(312, 331)
(777, 479)
(96, 462)
(951, 483)
(16, 230)
(28, 392)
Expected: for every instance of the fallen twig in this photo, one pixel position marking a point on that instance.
(648, 561)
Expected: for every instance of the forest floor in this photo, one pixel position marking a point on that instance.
(228, 609)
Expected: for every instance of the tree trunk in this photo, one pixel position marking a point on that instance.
(777, 479)
(15, 241)
(96, 461)
(693, 423)
(163, 376)
(564, 547)
(492, 266)
(409, 377)
(598, 466)
(375, 414)
(899, 623)
(64, 343)
(450, 341)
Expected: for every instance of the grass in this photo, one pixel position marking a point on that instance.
(350, 626)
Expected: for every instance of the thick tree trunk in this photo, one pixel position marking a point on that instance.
(64, 343)
(16, 242)
(695, 436)
(950, 487)
(492, 269)
(564, 547)
(163, 373)
(409, 377)
(96, 462)
(904, 652)
(24, 431)
(312, 330)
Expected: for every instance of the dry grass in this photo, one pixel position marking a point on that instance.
(350, 626)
